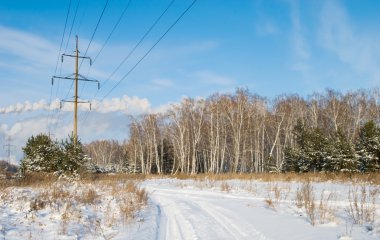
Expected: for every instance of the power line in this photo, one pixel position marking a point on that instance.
(113, 29)
(92, 37)
(108, 38)
(147, 53)
(68, 40)
(96, 28)
(72, 25)
(88, 46)
(56, 64)
(81, 20)
(133, 50)
(139, 42)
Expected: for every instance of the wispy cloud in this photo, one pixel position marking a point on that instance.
(266, 27)
(351, 45)
(209, 77)
(26, 46)
(299, 42)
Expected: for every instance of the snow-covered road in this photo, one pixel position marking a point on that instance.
(192, 215)
(190, 212)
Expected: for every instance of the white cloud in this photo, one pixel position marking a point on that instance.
(351, 45)
(299, 42)
(126, 104)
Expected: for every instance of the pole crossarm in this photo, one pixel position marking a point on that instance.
(73, 101)
(69, 55)
(73, 78)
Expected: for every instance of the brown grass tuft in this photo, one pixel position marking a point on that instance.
(362, 207)
(225, 187)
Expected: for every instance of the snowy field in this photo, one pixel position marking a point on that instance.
(193, 209)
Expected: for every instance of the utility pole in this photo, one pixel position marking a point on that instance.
(77, 77)
(7, 148)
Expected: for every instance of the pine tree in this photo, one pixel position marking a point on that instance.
(311, 148)
(317, 149)
(41, 154)
(73, 157)
(343, 158)
(368, 147)
(291, 158)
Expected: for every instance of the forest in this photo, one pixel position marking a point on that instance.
(247, 133)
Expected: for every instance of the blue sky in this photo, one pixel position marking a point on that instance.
(271, 47)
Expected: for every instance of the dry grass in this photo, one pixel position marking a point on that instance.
(362, 207)
(112, 200)
(131, 200)
(325, 210)
(305, 199)
(371, 178)
(43, 179)
(225, 187)
(276, 193)
(90, 196)
(270, 204)
(322, 212)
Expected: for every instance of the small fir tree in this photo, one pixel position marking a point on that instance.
(73, 157)
(41, 154)
(368, 147)
(343, 158)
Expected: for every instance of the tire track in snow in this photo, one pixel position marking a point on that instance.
(244, 231)
(189, 215)
(173, 224)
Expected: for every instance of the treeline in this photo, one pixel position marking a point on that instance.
(234, 133)
(244, 132)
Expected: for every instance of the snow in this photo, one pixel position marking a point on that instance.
(194, 209)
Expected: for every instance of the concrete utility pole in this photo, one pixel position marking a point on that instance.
(77, 77)
(7, 148)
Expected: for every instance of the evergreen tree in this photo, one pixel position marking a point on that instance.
(291, 157)
(310, 153)
(303, 139)
(368, 147)
(342, 154)
(317, 150)
(73, 157)
(41, 154)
